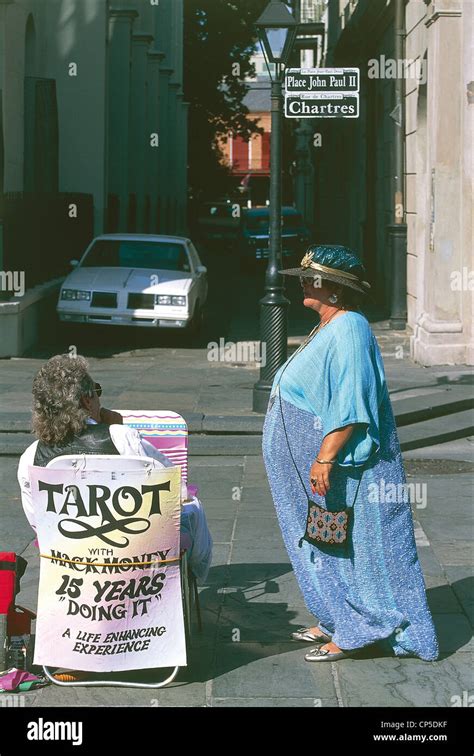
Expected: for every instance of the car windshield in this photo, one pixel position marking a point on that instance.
(120, 253)
(260, 223)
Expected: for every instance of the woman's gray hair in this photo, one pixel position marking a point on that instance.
(57, 391)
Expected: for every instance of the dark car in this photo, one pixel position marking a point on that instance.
(219, 221)
(254, 234)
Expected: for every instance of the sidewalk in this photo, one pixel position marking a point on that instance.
(215, 397)
(251, 602)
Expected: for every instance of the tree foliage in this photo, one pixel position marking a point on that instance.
(219, 39)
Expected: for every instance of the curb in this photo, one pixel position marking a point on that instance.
(449, 401)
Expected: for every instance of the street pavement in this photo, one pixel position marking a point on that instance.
(251, 602)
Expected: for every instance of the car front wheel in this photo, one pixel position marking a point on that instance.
(197, 321)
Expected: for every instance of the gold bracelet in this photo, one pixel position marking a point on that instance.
(326, 461)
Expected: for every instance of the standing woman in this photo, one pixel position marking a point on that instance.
(330, 437)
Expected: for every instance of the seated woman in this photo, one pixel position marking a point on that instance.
(68, 419)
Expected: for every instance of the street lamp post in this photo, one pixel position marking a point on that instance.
(276, 30)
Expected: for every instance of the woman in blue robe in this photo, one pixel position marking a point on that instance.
(330, 416)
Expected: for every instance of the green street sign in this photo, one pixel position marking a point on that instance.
(323, 105)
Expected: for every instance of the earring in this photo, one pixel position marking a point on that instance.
(333, 298)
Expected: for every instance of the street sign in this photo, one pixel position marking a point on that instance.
(322, 92)
(312, 80)
(322, 105)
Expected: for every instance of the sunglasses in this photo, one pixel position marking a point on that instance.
(307, 280)
(97, 389)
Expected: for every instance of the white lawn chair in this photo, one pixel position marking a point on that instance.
(167, 431)
(114, 472)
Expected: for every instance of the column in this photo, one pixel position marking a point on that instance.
(184, 168)
(164, 149)
(12, 78)
(153, 127)
(181, 156)
(139, 139)
(175, 151)
(163, 29)
(177, 50)
(120, 33)
(467, 158)
(441, 334)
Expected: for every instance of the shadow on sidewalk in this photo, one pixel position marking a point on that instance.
(241, 625)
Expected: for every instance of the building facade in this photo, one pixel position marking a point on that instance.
(248, 160)
(92, 103)
(356, 163)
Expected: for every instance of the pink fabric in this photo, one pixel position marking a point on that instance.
(13, 679)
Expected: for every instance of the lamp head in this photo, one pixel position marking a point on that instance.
(276, 30)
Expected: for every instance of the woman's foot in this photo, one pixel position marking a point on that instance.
(331, 647)
(325, 652)
(310, 635)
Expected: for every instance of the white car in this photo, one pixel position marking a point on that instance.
(136, 280)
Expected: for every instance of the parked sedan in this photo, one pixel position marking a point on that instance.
(136, 280)
(254, 234)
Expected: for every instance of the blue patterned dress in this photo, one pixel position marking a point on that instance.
(374, 591)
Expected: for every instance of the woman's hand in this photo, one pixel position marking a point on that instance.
(320, 473)
(329, 449)
(109, 417)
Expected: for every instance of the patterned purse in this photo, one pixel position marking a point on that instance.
(323, 526)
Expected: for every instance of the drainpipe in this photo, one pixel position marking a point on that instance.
(397, 229)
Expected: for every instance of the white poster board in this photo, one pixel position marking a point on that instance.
(101, 605)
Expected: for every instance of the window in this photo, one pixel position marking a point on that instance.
(112, 253)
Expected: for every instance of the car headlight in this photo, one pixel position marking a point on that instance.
(166, 299)
(178, 301)
(75, 294)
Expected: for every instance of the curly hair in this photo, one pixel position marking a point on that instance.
(57, 390)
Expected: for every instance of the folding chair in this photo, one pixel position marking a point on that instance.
(115, 469)
(167, 431)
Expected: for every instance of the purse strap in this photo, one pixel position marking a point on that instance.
(288, 442)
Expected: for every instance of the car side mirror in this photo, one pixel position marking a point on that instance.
(201, 269)
(73, 263)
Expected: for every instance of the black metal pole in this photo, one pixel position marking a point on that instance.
(274, 304)
(397, 230)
